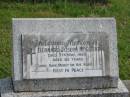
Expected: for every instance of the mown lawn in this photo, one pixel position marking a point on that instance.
(120, 9)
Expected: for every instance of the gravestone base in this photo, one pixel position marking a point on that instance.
(80, 83)
(6, 90)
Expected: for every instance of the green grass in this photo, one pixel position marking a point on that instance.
(120, 9)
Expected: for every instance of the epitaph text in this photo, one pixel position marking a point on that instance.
(63, 55)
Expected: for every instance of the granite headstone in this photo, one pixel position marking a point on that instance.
(64, 53)
(64, 57)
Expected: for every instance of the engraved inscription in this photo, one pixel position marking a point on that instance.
(64, 55)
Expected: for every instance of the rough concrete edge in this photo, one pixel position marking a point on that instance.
(8, 89)
(127, 84)
(103, 18)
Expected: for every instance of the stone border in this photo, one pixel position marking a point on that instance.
(7, 91)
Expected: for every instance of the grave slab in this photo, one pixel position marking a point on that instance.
(64, 54)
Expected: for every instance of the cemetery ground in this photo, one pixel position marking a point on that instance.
(120, 9)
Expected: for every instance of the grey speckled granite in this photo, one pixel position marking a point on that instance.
(7, 91)
(65, 25)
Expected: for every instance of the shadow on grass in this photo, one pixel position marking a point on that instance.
(91, 2)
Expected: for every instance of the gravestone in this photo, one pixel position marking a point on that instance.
(64, 57)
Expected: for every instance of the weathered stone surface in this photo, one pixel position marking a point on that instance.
(7, 91)
(127, 84)
(65, 55)
(62, 26)
(64, 84)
